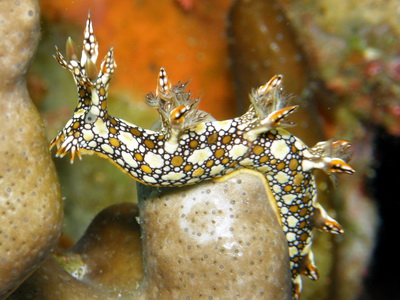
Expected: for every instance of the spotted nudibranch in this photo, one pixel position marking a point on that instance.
(190, 146)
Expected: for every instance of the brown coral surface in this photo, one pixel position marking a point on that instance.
(215, 240)
(30, 201)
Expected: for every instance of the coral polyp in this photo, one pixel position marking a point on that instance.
(190, 146)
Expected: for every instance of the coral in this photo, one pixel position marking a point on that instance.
(263, 43)
(30, 200)
(218, 239)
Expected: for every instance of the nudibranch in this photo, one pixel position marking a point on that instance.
(190, 146)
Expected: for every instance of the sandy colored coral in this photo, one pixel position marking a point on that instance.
(106, 263)
(262, 44)
(30, 201)
(215, 240)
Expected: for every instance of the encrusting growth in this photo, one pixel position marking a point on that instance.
(190, 146)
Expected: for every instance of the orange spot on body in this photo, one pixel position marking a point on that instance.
(219, 153)
(149, 144)
(135, 132)
(113, 130)
(212, 138)
(226, 139)
(293, 164)
(188, 167)
(177, 161)
(146, 169)
(139, 156)
(114, 142)
(193, 143)
(257, 150)
(198, 172)
(225, 161)
(281, 166)
(209, 163)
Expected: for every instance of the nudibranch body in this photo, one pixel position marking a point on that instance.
(190, 146)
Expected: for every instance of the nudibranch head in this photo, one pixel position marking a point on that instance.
(91, 111)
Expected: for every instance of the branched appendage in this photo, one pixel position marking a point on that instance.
(268, 108)
(178, 111)
(92, 86)
(191, 146)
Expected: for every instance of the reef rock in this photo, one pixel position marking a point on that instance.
(30, 200)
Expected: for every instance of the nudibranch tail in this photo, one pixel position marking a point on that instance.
(190, 146)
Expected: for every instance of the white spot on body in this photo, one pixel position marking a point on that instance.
(282, 177)
(171, 147)
(237, 151)
(224, 125)
(128, 140)
(279, 149)
(246, 162)
(216, 170)
(100, 128)
(288, 199)
(293, 251)
(299, 144)
(95, 97)
(290, 237)
(128, 159)
(200, 129)
(172, 176)
(87, 135)
(149, 179)
(199, 156)
(264, 169)
(292, 221)
(154, 160)
(107, 148)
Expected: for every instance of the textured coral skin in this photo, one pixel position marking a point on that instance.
(262, 44)
(218, 239)
(30, 200)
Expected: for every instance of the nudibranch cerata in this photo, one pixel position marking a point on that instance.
(190, 146)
